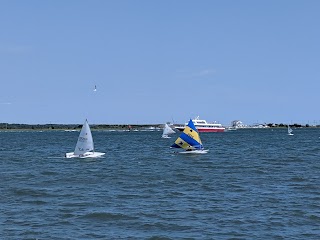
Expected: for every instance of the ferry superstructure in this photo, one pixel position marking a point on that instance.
(204, 126)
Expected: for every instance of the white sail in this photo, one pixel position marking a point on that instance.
(167, 131)
(85, 140)
(84, 147)
(289, 130)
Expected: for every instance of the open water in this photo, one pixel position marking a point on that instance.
(253, 184)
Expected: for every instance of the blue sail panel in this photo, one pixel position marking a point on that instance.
(191, 141)
(192, 134)
(192, 126)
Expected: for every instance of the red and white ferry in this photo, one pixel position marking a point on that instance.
(204, 126)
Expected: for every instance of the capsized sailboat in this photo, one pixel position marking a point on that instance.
(84, 147)
(167, 130)
(189, 140)
(289, 130)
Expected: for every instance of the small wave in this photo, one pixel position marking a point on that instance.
(314, 218)
(31, 192)
(56, 157)
(159, 238)
(165, 227)
(103, 216)
(49, 173)
(36, 202)
(298, 179)
(176, 193)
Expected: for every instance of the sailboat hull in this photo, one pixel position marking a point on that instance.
(85, 155)
(165, 136)
(202, 151)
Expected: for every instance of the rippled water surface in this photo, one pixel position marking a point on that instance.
(253, 184)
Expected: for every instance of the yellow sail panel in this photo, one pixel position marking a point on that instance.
(181, 143)
(192, 133)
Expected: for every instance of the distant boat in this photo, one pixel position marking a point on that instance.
(289, 130)
(84, 147)
(167, 130)
(189, 140)
(95, 88)
(230, 129)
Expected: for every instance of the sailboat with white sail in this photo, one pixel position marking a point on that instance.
(289, 130)
(84, 147)
(167, 130)
(189, 140)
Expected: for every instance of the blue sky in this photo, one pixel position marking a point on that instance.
(159, 61)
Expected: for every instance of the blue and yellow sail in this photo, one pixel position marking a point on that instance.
(189, 138)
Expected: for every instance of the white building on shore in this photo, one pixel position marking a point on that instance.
(238, 124)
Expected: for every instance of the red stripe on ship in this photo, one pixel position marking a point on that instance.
(211, 130)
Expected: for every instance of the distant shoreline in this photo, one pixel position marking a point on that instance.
(16, 126)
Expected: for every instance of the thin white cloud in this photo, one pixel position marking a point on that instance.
(207, 72)
(6, 103)
(196, 74)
